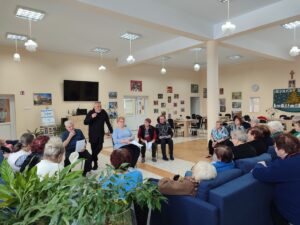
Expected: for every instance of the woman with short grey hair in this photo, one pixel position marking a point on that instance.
(276, 128)
(241, 148)
(53, 156)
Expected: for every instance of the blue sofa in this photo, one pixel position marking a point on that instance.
(234, 197)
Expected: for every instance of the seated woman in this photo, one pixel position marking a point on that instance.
(284, 174)
(70, 138)
(241, 149)
(16, 159)
(276, 128)
(224, 157)
(296, 132)
(188, 185)
(37, 150)
(256, 140)
(147, 134)
(267, 135)
(127, 178)
(254, 122)
(219, 136)
(237, 124)
(52, 159)
(122, 138)
(165, 134)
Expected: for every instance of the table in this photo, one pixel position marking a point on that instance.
(186, 125)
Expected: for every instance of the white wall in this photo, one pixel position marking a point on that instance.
(44, 72)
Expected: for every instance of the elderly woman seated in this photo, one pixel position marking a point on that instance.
(52, 159)
(241, 148)
(284, 174)
(276, 128)
(256, 140)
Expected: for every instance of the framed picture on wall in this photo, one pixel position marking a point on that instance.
(221, 91)
(155, 111)
(182, 110)
(236, 105)
(222, 108)
(160, 96)
(169, 99)
(163, 105)
(112, 94)
(182, 102)
(42, 99)
(113, 105)
(175, 104)
(194, 88)
(237, 95)
(155, 102)
(176, 96)
(169, 89)
(292, 83)
(136, 85)
(204, 92)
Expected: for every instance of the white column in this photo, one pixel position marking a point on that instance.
(212, 85)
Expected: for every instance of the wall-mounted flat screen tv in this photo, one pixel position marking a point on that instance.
(80, 90)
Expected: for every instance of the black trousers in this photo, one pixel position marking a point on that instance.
(211, 149)
(135, 153)
(96, 149)
(277, 218)
(143, 149)
(82, 155)
(163, 143)
(141, 214)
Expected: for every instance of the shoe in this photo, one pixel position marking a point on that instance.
(143, 160)
(165, 158)
(154, 159)
(172, 157)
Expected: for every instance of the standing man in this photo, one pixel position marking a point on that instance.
(95, 119)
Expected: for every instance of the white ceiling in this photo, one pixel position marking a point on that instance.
(168, 27)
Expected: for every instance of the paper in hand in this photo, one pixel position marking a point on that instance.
(149, 145)
(134, 142)
(80, 145)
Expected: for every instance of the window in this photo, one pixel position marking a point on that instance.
(254, 104)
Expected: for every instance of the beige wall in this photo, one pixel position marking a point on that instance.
(44, 72)
(267, 74)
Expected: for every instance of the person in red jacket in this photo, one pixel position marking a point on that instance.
(147, 137)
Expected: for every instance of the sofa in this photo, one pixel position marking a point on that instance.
(234, 197)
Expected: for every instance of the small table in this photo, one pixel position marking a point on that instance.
(186, 125)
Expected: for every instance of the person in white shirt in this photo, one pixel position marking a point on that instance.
(53, 156)
(16, 159)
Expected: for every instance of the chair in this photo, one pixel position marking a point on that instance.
(193, 116)
(188, 117)
(176, 128)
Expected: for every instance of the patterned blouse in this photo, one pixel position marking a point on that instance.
(219, 134)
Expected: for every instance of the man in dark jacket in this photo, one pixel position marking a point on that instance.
(95, 119)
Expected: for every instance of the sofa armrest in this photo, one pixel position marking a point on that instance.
(243, 201)
(185, 210)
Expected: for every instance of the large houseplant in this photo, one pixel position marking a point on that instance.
(68, 198)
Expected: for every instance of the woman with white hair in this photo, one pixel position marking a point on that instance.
(241, 148)
(276, 128)
(53, 156)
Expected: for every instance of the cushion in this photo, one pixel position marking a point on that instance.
(223, 177)
(247, 164)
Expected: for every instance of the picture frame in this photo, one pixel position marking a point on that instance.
(112, 95)
(175, 104)
(237, 95)
(160, 96)
(136, 85)
(113, 105)
(42, 99)
(163, 105)
(292, 83)
(204, 92)
(176, 96)
(236, 105)
(182, 110)
(169, 99)
(155, 102)
(155, 111)
(221, 91)
(194, 88)
(182, 102)
(169, 89)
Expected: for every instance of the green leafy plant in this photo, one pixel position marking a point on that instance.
(69, 198)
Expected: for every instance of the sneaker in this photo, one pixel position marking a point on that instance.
(172, 157)
(154, 159)
(165, 158)
(143, 160)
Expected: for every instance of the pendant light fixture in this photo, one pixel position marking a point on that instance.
(295, 51)
(17, 57)
(130, 59)
(101, 67)
(197, 66)
(30, 44)
(228, 27)
(163, 68)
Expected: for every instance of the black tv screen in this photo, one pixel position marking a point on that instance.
(80, 90)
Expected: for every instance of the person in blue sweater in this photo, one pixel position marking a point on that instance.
(284, 174)
(224, 158)
(122, 138)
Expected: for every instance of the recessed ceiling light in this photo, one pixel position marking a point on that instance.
(235, 57)
(29, 14)
(19, 37)
(131, 36)
(101, 50)
(291, 25)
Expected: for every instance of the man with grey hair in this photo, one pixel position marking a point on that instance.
(69, 138)
(241, 148)
(95, 119)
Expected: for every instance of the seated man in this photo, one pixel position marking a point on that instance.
(165, 133)
(69, 138)
(147, 134)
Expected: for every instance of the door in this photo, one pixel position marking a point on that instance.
(195, 105)
(135, 111)
(7, 117)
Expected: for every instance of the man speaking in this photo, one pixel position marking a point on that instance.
(95, 119)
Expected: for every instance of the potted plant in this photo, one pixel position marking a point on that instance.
(69, 198)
